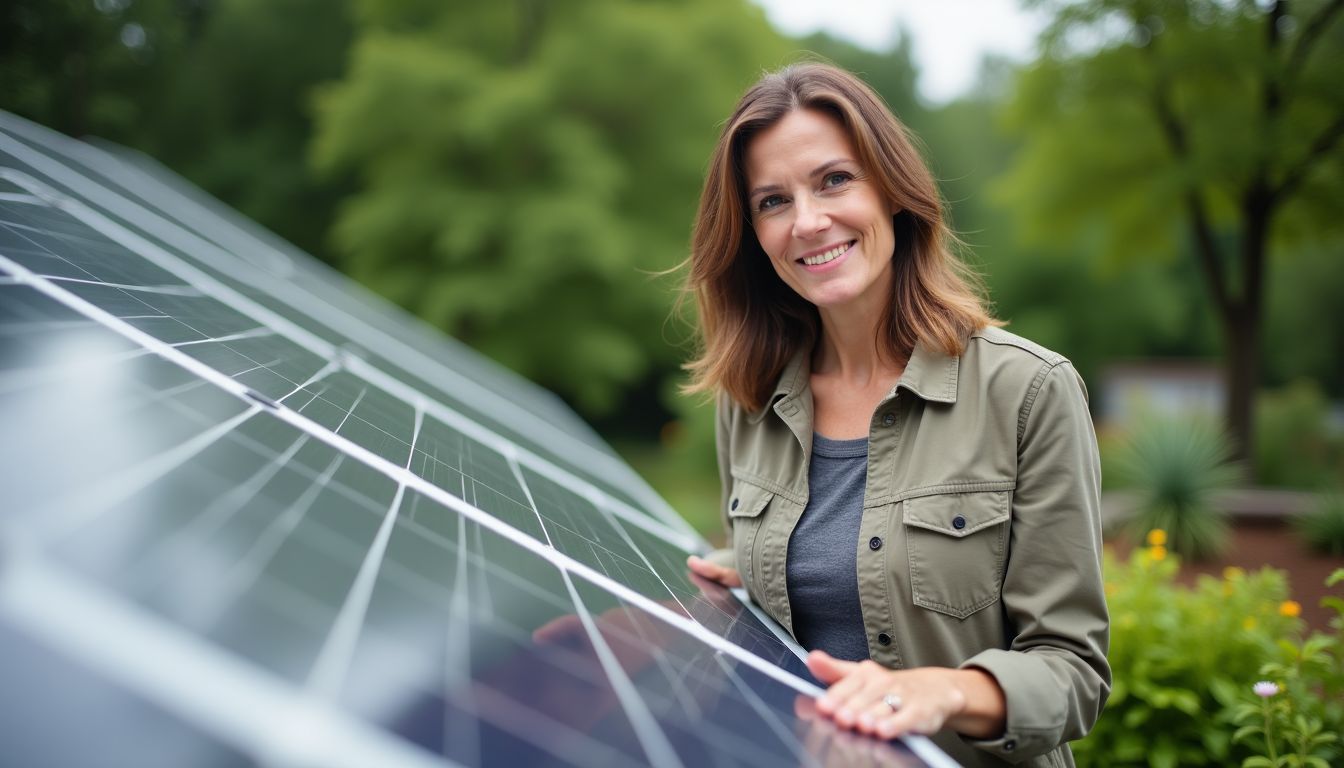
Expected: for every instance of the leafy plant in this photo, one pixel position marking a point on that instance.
(1175, 466)
(1295, 445)
(1299, 715)
(1323, 525)
(1178, 654)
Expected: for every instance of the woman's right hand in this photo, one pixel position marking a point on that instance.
(701, 567)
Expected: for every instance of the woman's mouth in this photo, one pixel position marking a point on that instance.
(829, 255)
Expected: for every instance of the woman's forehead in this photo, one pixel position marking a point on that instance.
(799, 143)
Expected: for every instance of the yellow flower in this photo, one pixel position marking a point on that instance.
(1110, 589)
(1233, 573)
(1290, 608)
(1157, 538)
(1157, 552)
(1248, 623)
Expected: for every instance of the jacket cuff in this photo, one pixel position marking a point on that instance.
(1034, 719)
(722, 557)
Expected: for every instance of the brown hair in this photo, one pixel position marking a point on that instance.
(751, 323)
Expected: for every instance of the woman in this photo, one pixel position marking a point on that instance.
(910, 490)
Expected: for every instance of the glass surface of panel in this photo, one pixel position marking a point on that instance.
(269, 519)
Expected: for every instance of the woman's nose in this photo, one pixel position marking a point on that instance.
(809, 218)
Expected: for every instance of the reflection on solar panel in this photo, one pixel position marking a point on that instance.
(251, 515)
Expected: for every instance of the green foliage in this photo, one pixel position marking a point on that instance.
(1175, 466)
(1305, 318)
(80, 66)
(1295, 445)
(1178, 655)
(236, 114)
(524, 170)
(1129, 151)
(217, 90)
(1322, 526)
(1296, 715)
(1097, 109)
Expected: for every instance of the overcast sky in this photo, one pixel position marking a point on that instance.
(949, 36)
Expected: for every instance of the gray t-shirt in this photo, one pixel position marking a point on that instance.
(822, 560)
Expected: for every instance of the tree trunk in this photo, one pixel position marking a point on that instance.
(1242, 327)
(1242, 336)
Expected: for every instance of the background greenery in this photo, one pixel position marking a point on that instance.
(1164, 180)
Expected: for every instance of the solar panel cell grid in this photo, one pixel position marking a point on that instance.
(277, 533)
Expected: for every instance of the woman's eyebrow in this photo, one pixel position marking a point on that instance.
(829, 164)
(820, 169)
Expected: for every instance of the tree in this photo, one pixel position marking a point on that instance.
(526, 167)
(217, 90)
(81, 66)
(1206, 126)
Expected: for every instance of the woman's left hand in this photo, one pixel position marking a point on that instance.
(867, 697)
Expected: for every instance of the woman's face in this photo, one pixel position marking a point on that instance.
(818, 215)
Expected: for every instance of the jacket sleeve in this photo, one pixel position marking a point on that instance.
(1054, 674)
(725, 556)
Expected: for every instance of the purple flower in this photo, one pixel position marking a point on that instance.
(1264, 689)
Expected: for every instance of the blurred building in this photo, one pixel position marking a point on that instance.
(1132, 388)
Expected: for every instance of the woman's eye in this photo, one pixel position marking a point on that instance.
(835, 179)
(768, 202)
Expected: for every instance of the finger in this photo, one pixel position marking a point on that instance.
(881, 709)
(714, 572)
(805, 708)
(909, 720)
(856, 711)
(827, 668)
(836, 700)
(562, 630)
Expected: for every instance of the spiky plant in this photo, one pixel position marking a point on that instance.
(1176, 465)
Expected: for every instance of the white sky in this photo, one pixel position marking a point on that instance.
(950, 36)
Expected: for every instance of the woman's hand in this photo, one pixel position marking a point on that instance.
(886, 703)
(728, 577)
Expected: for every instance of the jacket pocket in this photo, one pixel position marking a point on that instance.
(746, 505)
(957, 544)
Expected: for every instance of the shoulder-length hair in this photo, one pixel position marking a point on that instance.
(751, 323)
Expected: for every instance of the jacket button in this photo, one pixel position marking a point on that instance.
(958, 522)
(875, 543)
(888, 419)
(1009, 745)
(733, 505)
(883, 638)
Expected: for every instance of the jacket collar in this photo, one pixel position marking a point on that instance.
(929, 374)
(794, 381)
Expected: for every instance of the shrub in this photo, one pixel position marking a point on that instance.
(1185, 661)
(1294, 445)
(1175, 466)
(1173, 649)
(1294, 717)
(1322, 526)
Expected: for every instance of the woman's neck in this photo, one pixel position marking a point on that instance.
(851, 349)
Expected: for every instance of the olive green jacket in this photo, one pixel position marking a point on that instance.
(980, 542)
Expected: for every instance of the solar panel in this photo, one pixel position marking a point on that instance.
(251, 514)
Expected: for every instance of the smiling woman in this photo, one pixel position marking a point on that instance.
(824, 225)
(909, 490)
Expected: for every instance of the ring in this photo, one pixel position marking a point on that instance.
(893, 701)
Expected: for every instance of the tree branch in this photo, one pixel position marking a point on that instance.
(1205, 246)
(1272, 98)
(1311, 32)
(1322, 145)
